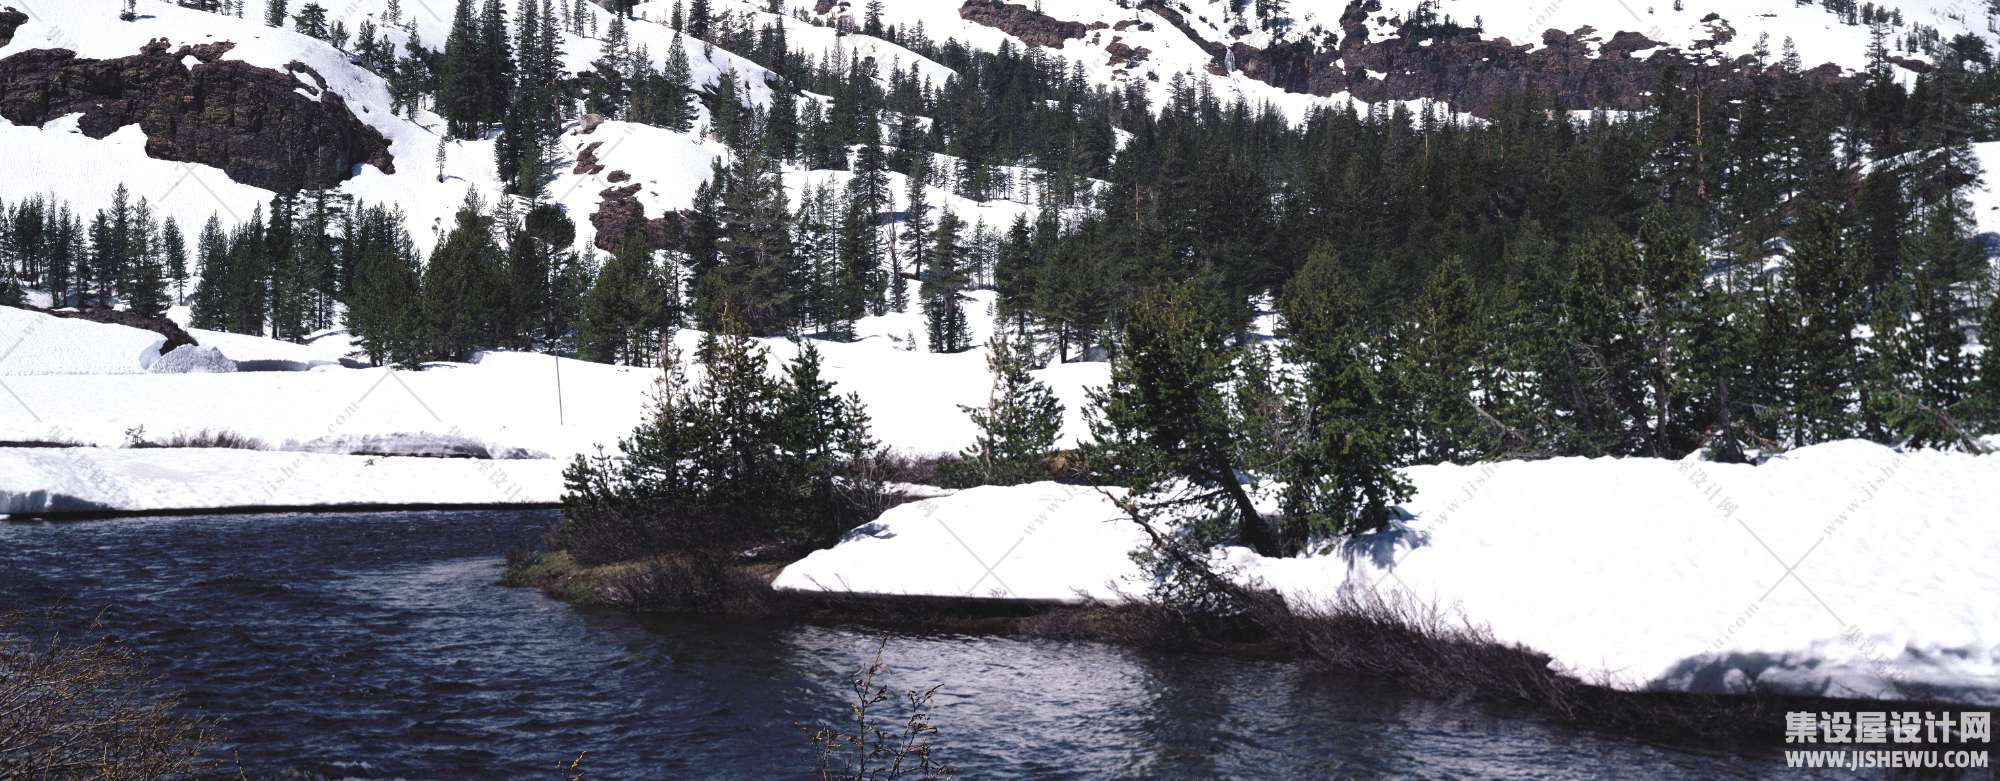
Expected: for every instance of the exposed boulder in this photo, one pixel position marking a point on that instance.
(10, 20)
(618, 210)
(258, 125)
(586, 160)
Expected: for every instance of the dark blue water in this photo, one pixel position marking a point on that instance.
(380, 646)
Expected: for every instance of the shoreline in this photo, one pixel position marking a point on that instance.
(65, 516)
(1371, 643)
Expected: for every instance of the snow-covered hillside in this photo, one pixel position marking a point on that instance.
(81, 383)
(1843, 569)
(56, 158)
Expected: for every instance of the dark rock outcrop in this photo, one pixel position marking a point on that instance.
(253, 123)
(1032, 27)
(618, 210)
(175, 335)
(586, 160)
(1122, 54)
(1579, 69)
(10, 20)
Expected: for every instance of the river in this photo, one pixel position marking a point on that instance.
(380, 645)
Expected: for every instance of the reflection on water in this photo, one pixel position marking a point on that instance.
(379, 645)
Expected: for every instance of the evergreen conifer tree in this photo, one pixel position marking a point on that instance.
(1021, 421)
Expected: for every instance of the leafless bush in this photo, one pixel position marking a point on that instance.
(1443, 655)
(693, 581)
(872, 753)
(87, 710)
(205, 438)
(572, 769)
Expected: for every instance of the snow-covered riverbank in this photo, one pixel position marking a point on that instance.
(1845, 569)
(110, 480)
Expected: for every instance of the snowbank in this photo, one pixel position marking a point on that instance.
(35, 343)
(191, 359)
(85, 382)
(1043, 541)
(1845, 569)
(116, 480)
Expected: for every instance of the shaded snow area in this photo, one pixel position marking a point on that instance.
(75, 480)
(1844, 569)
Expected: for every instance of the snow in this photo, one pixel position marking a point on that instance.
(192, 359)
(43, 480)
(1843, 569)
(1985, 198)
(1043, 541)
(39, 344)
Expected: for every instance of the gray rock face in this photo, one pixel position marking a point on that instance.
(192, 359)
(1034, 27)
(256, 124)
(10, 20)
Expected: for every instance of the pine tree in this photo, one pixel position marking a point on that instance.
(275, 13)
(463, 287)
(311, 21)
(1820, 361)
(1342, 478)
(677, 94)
(818, 434)
(1987, 389)
(755, 279)
(147, 295)
(944, 315)
(385, 309)
(1670, 268)
(1165, 417)
(698, 19)
(210, 308)
(917, 238)
(461, 91)
(173, 247)
(630, 308)
(1442, 368)
(1021, 421)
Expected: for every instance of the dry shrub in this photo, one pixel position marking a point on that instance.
(1442, 655)
(205, 438)
(88, 710)
(872, 752)
(694, 581)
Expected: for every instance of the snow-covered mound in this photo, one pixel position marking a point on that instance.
(1846, 569)
(1043, 541)
(192, 359)
(101, 480)
(36, 343)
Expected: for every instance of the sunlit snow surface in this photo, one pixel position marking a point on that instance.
(1843, 569)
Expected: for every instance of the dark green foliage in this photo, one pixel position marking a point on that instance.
(385, 305)
(1166, 416)
(755, 278)
(1445, 370)
(735, 459)
(1019, 425)
(944, 312)
(631, 309)
(1341, 477)
(464, 288)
